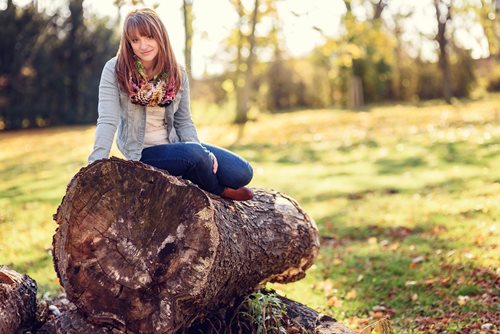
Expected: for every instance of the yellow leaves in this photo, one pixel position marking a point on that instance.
(383, 326)
(334, 301)
(354, 50)
(228, 86)
(345, 60)
(351, 294)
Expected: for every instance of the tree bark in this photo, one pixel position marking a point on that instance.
(299, 319)
(144, 251)
(17, 301)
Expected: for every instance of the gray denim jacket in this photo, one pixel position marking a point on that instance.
(116, 111)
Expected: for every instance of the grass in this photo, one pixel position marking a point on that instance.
(406, 199)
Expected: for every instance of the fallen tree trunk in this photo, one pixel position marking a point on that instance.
(144, 251)
(17, 301)
(298, 319)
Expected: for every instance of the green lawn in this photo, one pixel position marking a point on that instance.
(407, 199)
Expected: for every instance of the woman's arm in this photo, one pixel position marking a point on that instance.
(183, 122)
(109, 113)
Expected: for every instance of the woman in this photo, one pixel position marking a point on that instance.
(145, 94)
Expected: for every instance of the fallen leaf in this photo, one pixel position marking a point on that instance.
(486, 327)
(394, 246)
(378, 308)
(431, 281)
(334, 302)
(351, 294)
(469, 256)
(462, 300)
(418, 259)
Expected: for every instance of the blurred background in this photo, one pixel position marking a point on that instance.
(278, 55)
(380, 117)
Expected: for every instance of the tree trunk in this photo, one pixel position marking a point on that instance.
(148, 252)
(444, 63)
(74, 108)
(187, 10)
(298, 319)
(243, 91)
(378, 9)
(17, 301)
(356, 100)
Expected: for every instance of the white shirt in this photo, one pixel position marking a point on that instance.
(156, 127)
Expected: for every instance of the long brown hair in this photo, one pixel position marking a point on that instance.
(145, 22)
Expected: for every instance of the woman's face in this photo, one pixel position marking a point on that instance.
(145, 48)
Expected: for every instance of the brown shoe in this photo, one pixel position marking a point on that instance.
(240, 194)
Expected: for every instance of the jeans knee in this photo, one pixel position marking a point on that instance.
(244, 176)
(199, 154)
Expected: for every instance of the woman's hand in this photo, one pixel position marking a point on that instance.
(215, 164)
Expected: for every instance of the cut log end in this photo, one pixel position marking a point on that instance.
(17, 301)
(126, 246)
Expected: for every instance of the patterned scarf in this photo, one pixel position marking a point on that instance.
(160, 91)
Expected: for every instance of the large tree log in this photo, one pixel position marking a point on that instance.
(299, 319)
(147, 252)
(17, 301)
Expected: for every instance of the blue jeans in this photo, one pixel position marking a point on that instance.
(192, 161)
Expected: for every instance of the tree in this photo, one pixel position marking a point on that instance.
(244, 68)
(50, 67)
(443, 16)
(187, 9)
(74, 51)
(487, 13)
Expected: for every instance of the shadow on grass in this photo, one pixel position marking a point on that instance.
(30, 187)
(456, 153)
(451, 185)
(43, 261)
(398, 166)
(345, 148)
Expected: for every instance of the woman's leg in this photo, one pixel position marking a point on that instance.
(233, 171)
(189, 160)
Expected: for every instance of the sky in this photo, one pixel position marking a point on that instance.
(214, 19)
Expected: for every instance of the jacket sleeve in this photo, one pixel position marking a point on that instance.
(109, 113)
(183, 122)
